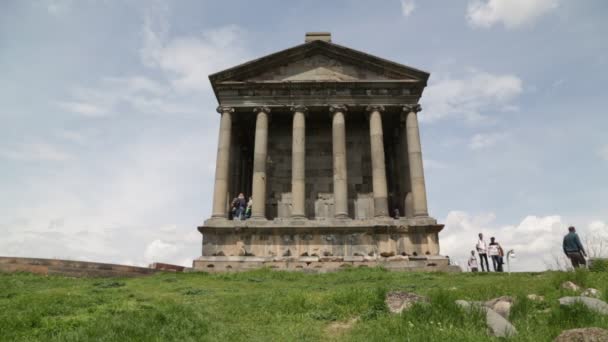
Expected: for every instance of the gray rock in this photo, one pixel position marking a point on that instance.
(592, 303)
(590, 292)
(502, 305)
(496, 323)
(583, 335)
(398, 301)
(568, 285)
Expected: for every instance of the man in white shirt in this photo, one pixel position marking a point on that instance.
(482, 250)
(473, 266)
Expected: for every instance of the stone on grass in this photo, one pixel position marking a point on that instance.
(590, 292)
(535, 298)
(498, 325)
(568, 285)
(593, 304)
(502, 305)
(583, 335)
(398, 301)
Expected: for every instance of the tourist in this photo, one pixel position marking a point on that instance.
(482, 250)
(574, 249)
(496, 253)
(396, 213)
(234, 205)
(473, 266)
(241, 205)
(249, 206)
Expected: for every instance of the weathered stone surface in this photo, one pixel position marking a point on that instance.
(398, 301)
(590, 292)
(497, 324)
(583, 335)
(502, 305)
(568, 285)
(592, 303)
(535, 298)
(71, 268)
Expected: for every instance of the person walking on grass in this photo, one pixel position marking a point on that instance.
(472, 263)
(496, 253)
(573, 248)
(482, 250)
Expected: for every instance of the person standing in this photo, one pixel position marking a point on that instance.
(473, 266)
(249, 206)
(573, 248)
(482, 250)
(241, 205)
(496, 253)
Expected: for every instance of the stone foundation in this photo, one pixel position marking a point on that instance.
(321, 245)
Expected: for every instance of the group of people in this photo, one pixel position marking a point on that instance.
(240, 209)
(494, 250)
(572, 246)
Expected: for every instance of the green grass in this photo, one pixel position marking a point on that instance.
(279, 306)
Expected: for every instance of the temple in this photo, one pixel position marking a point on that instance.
(325, 140)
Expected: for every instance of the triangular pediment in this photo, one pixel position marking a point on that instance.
(319, 61)
(318, 68)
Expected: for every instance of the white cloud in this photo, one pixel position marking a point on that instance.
(431, 164)
(511, 13)
(470, 96)
(407, 7)
(536, 239)
(159, 250)
(603, 152)
(37, 151)
(83, 108)
(484, 140)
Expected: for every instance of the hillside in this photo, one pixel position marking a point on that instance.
(278, 306)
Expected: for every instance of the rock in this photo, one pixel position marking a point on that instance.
(583, 335)
(502, 305)
(497, 324)
(535, 298)
(398, 301)
(592, 303)
(591, 293)
(571, 286)
(387, 254)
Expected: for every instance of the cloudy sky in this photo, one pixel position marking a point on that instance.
(108, 128)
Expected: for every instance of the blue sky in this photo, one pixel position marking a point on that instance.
(108, 127)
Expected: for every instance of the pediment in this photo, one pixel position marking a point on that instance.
(319, 61)
(318, 68)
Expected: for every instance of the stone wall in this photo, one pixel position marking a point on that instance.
(70, 268)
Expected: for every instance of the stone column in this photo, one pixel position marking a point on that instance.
(222, 164)
(298, 163)
(339, 161)
(415, 160)
(260, 152)
(376, 139)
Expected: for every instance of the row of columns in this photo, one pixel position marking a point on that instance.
(417, 197)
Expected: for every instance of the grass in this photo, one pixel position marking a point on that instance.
(265, 305)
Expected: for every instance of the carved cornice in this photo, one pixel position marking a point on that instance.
(261, 109)
(225, 109)
(338, 108)
(374, 108)
(299, 108)
(412, 108)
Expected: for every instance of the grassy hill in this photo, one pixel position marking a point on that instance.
(278, 306)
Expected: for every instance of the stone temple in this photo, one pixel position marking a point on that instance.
(325, 140)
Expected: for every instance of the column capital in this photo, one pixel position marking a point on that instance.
(408, 108)
(299, 108)
(338, 108)
(224, 109)
(374, 108)
(261, 109)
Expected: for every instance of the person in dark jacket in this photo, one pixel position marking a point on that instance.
(573, 248)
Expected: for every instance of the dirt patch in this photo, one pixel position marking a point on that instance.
(340, 327)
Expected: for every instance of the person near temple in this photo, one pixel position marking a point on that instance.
(472, 263)
(573, 248)
(496, 253)
(248, 209)
(482, 250)
(241, 205)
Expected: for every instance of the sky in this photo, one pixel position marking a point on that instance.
(108, 129)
